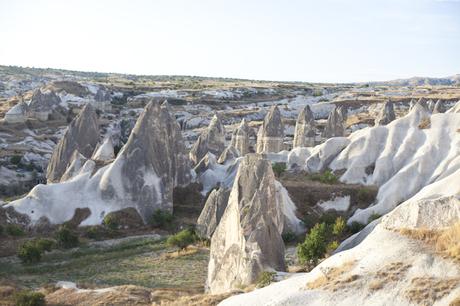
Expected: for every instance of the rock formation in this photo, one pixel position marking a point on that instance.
(42, 104)
(335, 126)
(430, 105)
(102, 95)
(247, 240)
(104, 151)
(438, 107)
(304, 135)
(212, 212)
(82, 135)
(240, 138)
(211, 140)
(271, 133)
(387, 114)
(229, 153)
(76, 162)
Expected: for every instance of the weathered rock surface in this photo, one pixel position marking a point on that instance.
(75, 165)
(82, 135)
(240, 138)
(438, 107)
(271, 133)
(43, 101)
(247, 240)
(229, 153)
(304, 135)
(104, 151)
(211, 140)
(387, 114)
(335, 126)
(212, 211)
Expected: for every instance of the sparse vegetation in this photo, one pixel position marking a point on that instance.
(14, 230)
(327, 177)
(279, 169)
(356, 227)
(29, 252)
(110, 221)
(44, 244)
(265, 278)
(29, 298)
(161, 219)
(373, 217)
(15, 159)
(425, 123)
(332, 246)
(289, 237)
(339, 226)
(66, 238)
(182, 239)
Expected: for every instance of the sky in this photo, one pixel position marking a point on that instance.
(290, 40)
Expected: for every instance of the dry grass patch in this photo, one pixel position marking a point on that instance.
(333, 277)
(390, 273)
(427, 290)
(425, 123)
(446, 241)
(455, 302)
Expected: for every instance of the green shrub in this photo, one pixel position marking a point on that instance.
(14, 230)
(29, 252)
(265, 278)
(328, 218)
(327, 177)
(161, 218)
(16, 159)
(373, 217)
(289, 237)
(332, 246)
(365, 195)
(182, 239)
(339, 226)
(279, 168)
(66, 238)
(1, 230)
(111, 222)
(356, 227)
(29, 298)
(44, 244)
(314, 246)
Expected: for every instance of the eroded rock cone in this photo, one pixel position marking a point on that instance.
(247, 240)
(438, 107)
(387, 114)
(304, 135)
(75, 165)
(150, 165)
(335, 126)
(212, 212)
(240, 138)
(211, 140)
(82, 135)
(229, 153)
(430, 105)
(271, 133)
(105, 151)
(43, 101)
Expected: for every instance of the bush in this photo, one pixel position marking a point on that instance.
(45, 245)
(29, 298)
(182, 239)
(14, 230)
(356, 227)
(339, 226)
(29, 252)
(373, 217)
(326, 177)
(161, 218)
(16, 159)
(265, 278)
(332, 246)
(279, 168)
(289, 237)
(66, 238)
(111, 222)
(314, 246)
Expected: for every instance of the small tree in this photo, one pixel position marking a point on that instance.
(29, 252)
(182, 239)
(29, 298)
(314, 246)
(339, 226)
(279, 168)
(161, 218)
(66, 238)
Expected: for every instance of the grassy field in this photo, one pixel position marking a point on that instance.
(145, 262)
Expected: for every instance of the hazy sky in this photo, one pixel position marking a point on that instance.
(323, 40)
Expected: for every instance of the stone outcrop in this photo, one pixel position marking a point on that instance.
(150, 165)
(430, 105)
(211, 140)
(102, 95)
(271, 133)
(247, 240)
(212, 212)
(75, 165)
(240, 138)
(42, 104)
(229, 153)
(387, 114)
(104, 151)
(335, 126)
(304, 135)
(438, 107)
(82, 135)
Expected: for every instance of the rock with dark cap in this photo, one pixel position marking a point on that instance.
(271, 132)
(304, 134)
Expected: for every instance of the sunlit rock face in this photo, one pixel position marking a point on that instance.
(247, 240)
(240, 138)
(304, 134)
(82, 135)
(271, 133)
(438, 107)
(386, 115)
(335, 126)
(211, 140)
(212, 212)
